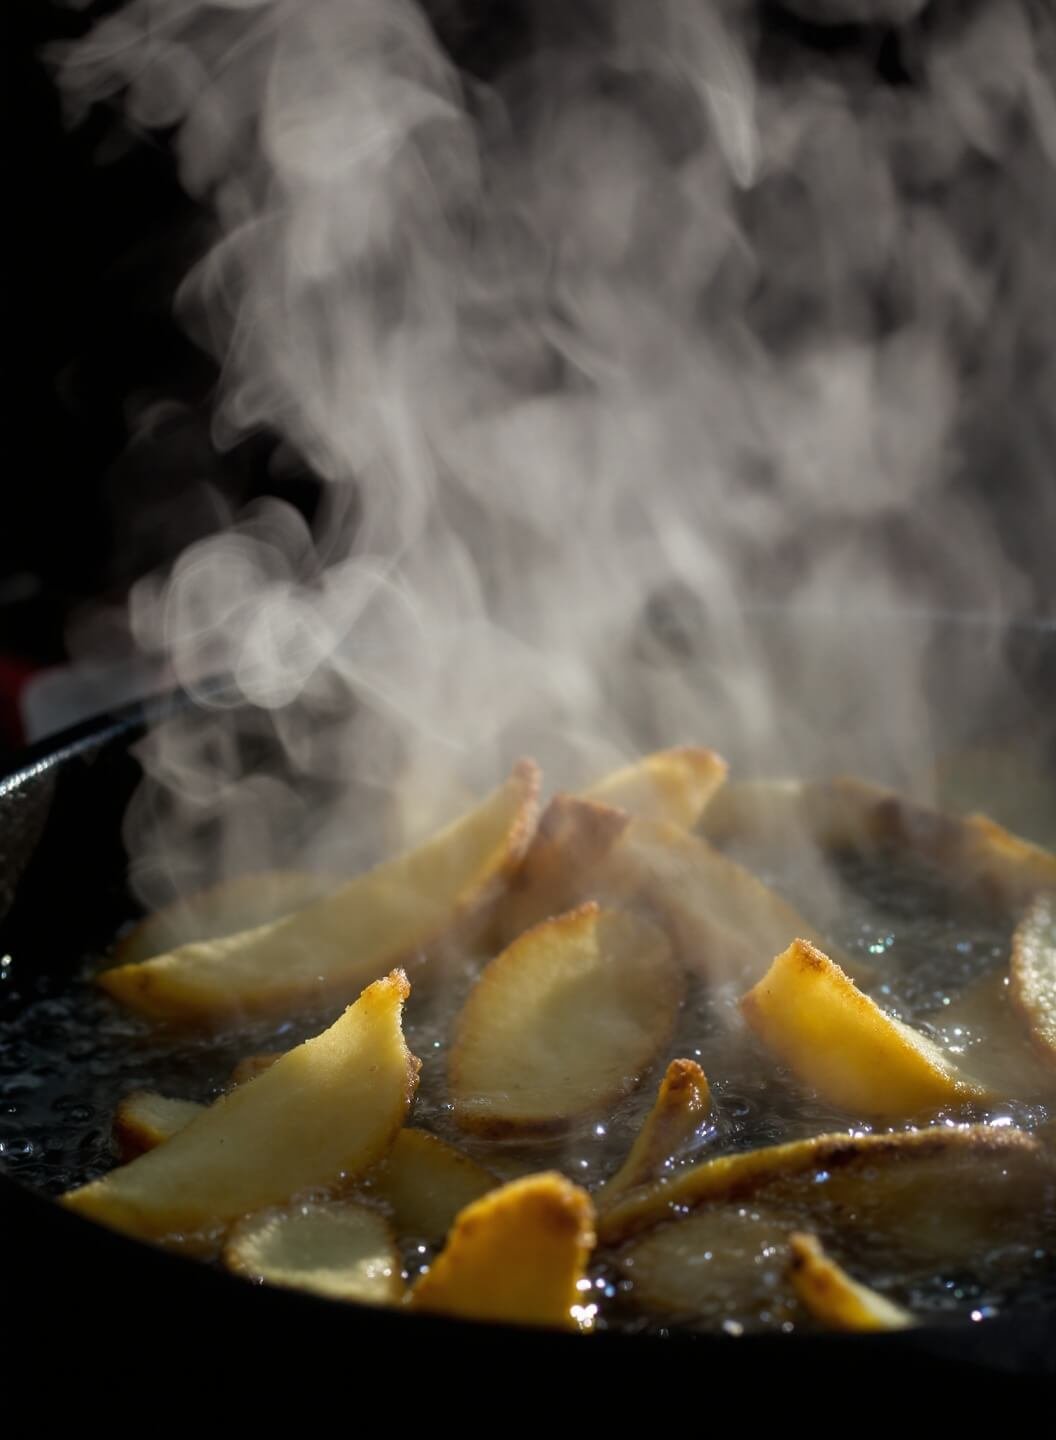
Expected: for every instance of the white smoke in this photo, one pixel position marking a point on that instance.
(652, 326)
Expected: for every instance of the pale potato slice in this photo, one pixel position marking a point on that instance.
(562, 865)
(840, 1044)
(972, 853)
(333, 947)
(1033, 972)
(145, 1119)
(319, 1118)
(424, 1183)
(759, 812)
(563, 1022)
(900, 1182)
(726, 924)
(724, 1265)
(831, 1296)
(341, 1250)
(682, 1105)
(254, 1065)
(675, 785)
(237, 904)
(519, 1254)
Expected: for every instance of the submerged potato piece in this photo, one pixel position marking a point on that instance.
(236, 904)
(424, 1183)
(725, 1263)
(725, 922)
(682, 1104)
(675, 785)
(341, 1250)
(981, 1029)
(350, 937)
(145, 1119)
(899, 1182)
(832, 1297)
(561, 866)
(1033, 975)
(973, 853)
(322, 1115)
(839, 1043)
(563, 1022)
(518, 1255)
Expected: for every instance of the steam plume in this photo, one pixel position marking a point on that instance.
(656, 325)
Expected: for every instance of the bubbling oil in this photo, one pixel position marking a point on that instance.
(70, 1054)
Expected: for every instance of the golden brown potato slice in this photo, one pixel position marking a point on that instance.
(145, 1119)
(839, 1043)
(237, 904)
(726, 924)
(519, 1254)
(320, 1117)
(563, 1022)
(682, 1105)
(1033, 971)
(831, 1296)
(675, 785)
(341, 1250)
(972, 853)
(562, 865)
(350, 937)
(424, 1183)
(900, 1182)
(724, 1264)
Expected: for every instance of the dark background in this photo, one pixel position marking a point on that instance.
(107, 403)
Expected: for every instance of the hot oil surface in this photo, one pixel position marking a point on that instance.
(68, 1058)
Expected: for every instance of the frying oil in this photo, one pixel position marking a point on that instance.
(68, 1058)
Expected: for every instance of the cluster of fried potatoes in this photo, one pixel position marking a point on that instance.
(592, 922)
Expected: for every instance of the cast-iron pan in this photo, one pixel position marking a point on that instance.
(140, 1311)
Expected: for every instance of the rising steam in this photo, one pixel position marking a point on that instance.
(657, 324)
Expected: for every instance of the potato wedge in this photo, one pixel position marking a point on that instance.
(682, 1105)
(350, 937)
(900, 1181)
(145, 1119)
(972, 853)
(519, 1254)
(424, 1183)
(1033, 972)
(341, 1250)
(726, 924)
(674, 785)
(562, 865)
(563, 1022)
(829, 1294)
(839, 1043)
(237, 904)
(320, 1117)
(724, 1265)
